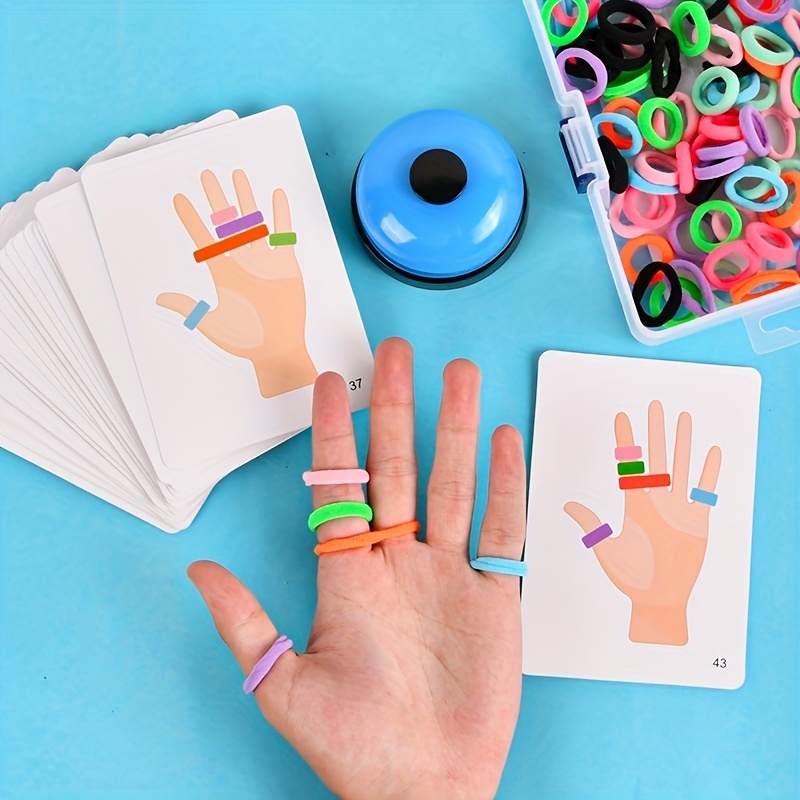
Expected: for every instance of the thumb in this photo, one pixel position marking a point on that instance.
(208, 324)
(606, 550)
(179, 303)
(585, 517)
(247, 630)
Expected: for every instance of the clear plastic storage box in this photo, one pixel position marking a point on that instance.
(591, 178)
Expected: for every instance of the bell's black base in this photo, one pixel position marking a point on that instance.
(440, 283)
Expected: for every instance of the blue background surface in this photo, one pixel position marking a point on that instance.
(113, 683)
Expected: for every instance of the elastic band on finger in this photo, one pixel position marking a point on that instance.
(364, 539)
(502, 566)
(231, 243)
(333, 477)
(630, 453)
(224, 215)
(266, 663)
(704, 497)
(282, 239)
(198, 312)
(655, 481)
(240, 224)
(597, 535)
(332, 511)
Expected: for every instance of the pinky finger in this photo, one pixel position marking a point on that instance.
(710, 473)
(503, 528)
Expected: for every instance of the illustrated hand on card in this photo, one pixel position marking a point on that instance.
(658, 555)
(261, 305)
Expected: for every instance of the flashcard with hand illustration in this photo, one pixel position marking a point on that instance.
(640, 518)
(216, 259)
(229, 282)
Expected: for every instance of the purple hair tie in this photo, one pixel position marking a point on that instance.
(239, 225)
(266, 663)
(672, 237)
(748, 9)
(599, 68)
(720, 169)
(689, 303)
(717, 151)
(754, 130)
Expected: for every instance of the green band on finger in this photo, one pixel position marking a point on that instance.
(334, 511)
(282, 239)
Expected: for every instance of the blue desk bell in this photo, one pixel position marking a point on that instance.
(439, 199)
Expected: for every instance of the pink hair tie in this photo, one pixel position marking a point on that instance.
(630, 453)
(737, 247)
(648, 162)
(771, 243)
(788, 131)
(333, 477)
(734, 45)
(683, 162)
(224, 215)
(721, 128)
(666, 207)
(266, 663)
(690, 113)
(625, 230)
(787, 103)
(791, 27)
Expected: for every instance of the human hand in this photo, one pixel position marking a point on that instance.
(261, 303)
(410, 683)
(657, 557)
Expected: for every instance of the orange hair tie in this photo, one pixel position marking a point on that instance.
(772, 71)
(792, 214)
(368, 538)
(649, 240)
(607, 129)
(784, 278)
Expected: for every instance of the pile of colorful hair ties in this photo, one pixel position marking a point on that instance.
(696, 113)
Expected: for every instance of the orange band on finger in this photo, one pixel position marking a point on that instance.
(644, 481)
(231, 243)
(364, 539)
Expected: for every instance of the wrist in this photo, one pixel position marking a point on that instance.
(658, 624)
(285, 372)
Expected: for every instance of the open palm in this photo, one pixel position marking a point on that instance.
(410, 684)
(260, 313)
(657, 557)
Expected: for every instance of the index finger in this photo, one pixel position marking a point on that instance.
(195, 226)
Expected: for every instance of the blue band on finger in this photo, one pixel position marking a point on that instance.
(503, 566)
(702, 496)
(199, 311)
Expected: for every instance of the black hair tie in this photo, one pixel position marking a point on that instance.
(703, 190)
(640, 35)
(665, 43)
(673, 302)
(618, 176)
(612, 54)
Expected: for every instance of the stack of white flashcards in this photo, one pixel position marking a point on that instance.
(166, 309)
